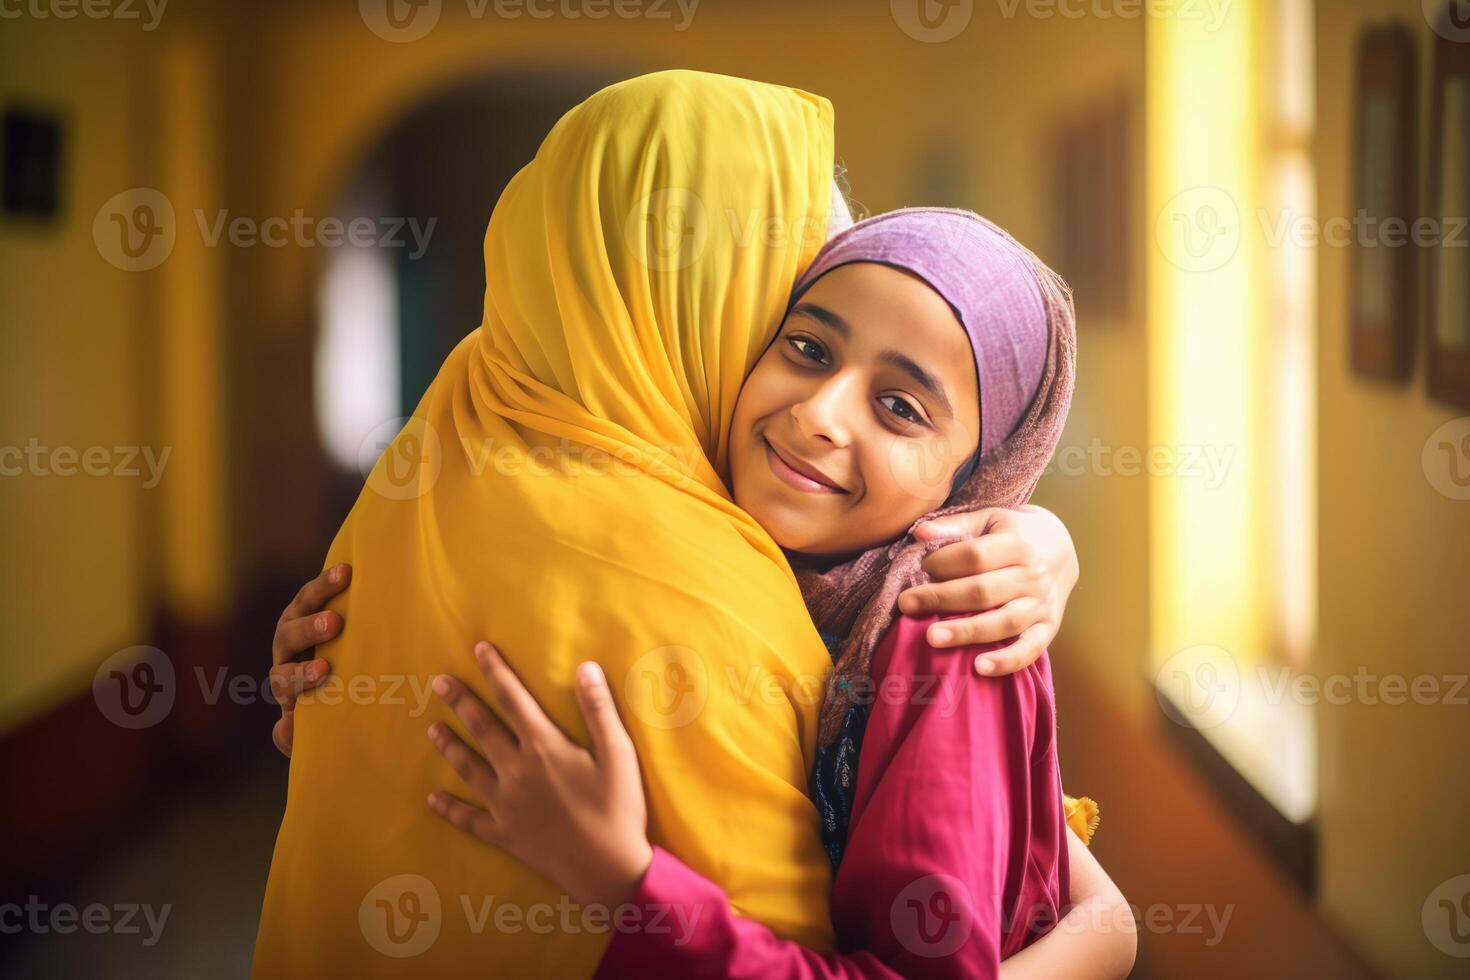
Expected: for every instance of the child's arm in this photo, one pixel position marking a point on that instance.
(1096, 940)
(1010, 572)
(957, 850)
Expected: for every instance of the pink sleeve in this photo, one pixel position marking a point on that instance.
(686, 928)
(956, 854)
(957, 849)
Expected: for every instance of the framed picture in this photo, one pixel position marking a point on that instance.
(31, 149)
(1090, 188)
(1384, 177)
(1447, 276)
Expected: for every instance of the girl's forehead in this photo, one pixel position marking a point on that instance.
(887, 317)
(869, 295)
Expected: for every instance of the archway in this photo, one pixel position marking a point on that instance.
(389, 312)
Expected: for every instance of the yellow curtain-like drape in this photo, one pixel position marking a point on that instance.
(558, 492)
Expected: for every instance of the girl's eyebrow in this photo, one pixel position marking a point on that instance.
(926, 379)
(823, 315)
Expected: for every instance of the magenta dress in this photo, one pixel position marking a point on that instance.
(956, 852)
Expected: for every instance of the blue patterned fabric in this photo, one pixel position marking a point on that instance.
(834, 777)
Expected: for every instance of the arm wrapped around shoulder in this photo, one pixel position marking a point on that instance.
(957, 852)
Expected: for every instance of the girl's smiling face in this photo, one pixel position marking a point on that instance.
(855, 420)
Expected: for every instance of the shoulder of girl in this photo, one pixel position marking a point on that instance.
(906, 647)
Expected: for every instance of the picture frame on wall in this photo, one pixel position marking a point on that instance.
(1447, 263)
(1382, 282)
(1090, 187)
(32, 163)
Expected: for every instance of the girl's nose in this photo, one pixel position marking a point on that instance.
(827, 412)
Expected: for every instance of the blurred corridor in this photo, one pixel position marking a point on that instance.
(237, 240)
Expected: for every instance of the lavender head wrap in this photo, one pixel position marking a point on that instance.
(983, 275)
(1019, 318)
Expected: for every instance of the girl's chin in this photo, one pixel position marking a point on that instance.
(791, 535)
(795, 525)
(796, 539)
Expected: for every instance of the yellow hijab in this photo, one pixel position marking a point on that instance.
(558, 492)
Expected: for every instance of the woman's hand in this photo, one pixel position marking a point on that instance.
(575, 817)
(301, 627)
(1015, 572)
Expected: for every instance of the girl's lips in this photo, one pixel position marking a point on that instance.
(791, 476)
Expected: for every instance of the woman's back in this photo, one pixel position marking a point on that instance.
(724, 757)
(555, 494)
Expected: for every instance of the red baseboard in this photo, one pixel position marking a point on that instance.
(71, 777)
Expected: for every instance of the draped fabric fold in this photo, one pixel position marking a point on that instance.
(559, 492)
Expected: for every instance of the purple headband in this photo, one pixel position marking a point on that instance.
(989, 282)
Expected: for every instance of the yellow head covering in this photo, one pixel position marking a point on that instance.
(557, 491)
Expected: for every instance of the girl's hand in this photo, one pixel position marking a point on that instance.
(301, 627)
(577, 818)
(1015, 572)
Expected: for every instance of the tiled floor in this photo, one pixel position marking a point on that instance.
(204, 861)
(1213, 904)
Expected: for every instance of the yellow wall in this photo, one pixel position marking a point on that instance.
(74, 347)
(98, 355)
(1394, 584)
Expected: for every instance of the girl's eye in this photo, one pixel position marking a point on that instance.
(808, 348)
(902, 409)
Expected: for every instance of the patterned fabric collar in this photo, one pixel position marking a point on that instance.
(834, 776)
